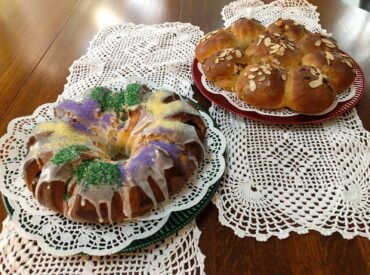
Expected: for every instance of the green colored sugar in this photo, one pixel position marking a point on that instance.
(104, 97)
(81, 170)
(66, 196)
(98, 173)
(119, 104)
(132, 94)
(68, 154)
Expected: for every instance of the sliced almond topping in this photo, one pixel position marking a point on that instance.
(259, 42)
(238, 54)
(267, 41)
(313, 71)
(259, 73)
(329, 55)
(276, 61)
(326, 41)
(262, 78)
(283, 77)
(261, 36)
(266, 71)
(245, 74)
(251, 76)
(236, 69)
(276, 34)
(330, 45)
(254, 69)
(274, 46)
(224, 53)
(348, 63)
(252, 85)
(274, 51)
(281, 52)
(291, 47)
(316, 83)
(318, 43)
(229, 57)
(217, 60)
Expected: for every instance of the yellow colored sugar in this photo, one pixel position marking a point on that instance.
(63, 135)
(167, 124)
(159, 109)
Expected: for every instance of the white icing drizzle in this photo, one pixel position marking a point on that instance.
(97, 195)
(144, 121)
(158, 117)
(52, 173)
(126, 200)
(161, 162)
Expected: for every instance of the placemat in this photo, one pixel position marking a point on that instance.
(282, 178)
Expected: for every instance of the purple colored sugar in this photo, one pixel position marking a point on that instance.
(79, 126)
(123, 171)
(106, 119)
(85, 111)
(144, 157)
(170, 148)
(147, 155)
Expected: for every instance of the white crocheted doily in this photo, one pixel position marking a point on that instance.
(162, 54)
(281, 178)
(179, 254)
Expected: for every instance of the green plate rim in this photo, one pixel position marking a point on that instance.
(177, 219)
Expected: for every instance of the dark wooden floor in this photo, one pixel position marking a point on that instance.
(40, 39)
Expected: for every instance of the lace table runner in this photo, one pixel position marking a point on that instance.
(179, 254)
(282, 179)
(162, 55)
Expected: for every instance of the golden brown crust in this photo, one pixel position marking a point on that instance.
(222, 68)
(314, 42)
(51, 195)
(262, 86)
(307, 91)
(278, 50)
(246, 31)
(289, 28)
(213, 42)
(337, 67)
(288, 45)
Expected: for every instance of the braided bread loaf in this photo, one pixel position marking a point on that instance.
(283, 65)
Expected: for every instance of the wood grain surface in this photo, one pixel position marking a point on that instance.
(40, 39)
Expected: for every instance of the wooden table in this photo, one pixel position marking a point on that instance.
(40, 39)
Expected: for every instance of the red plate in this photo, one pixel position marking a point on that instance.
(340, 109)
